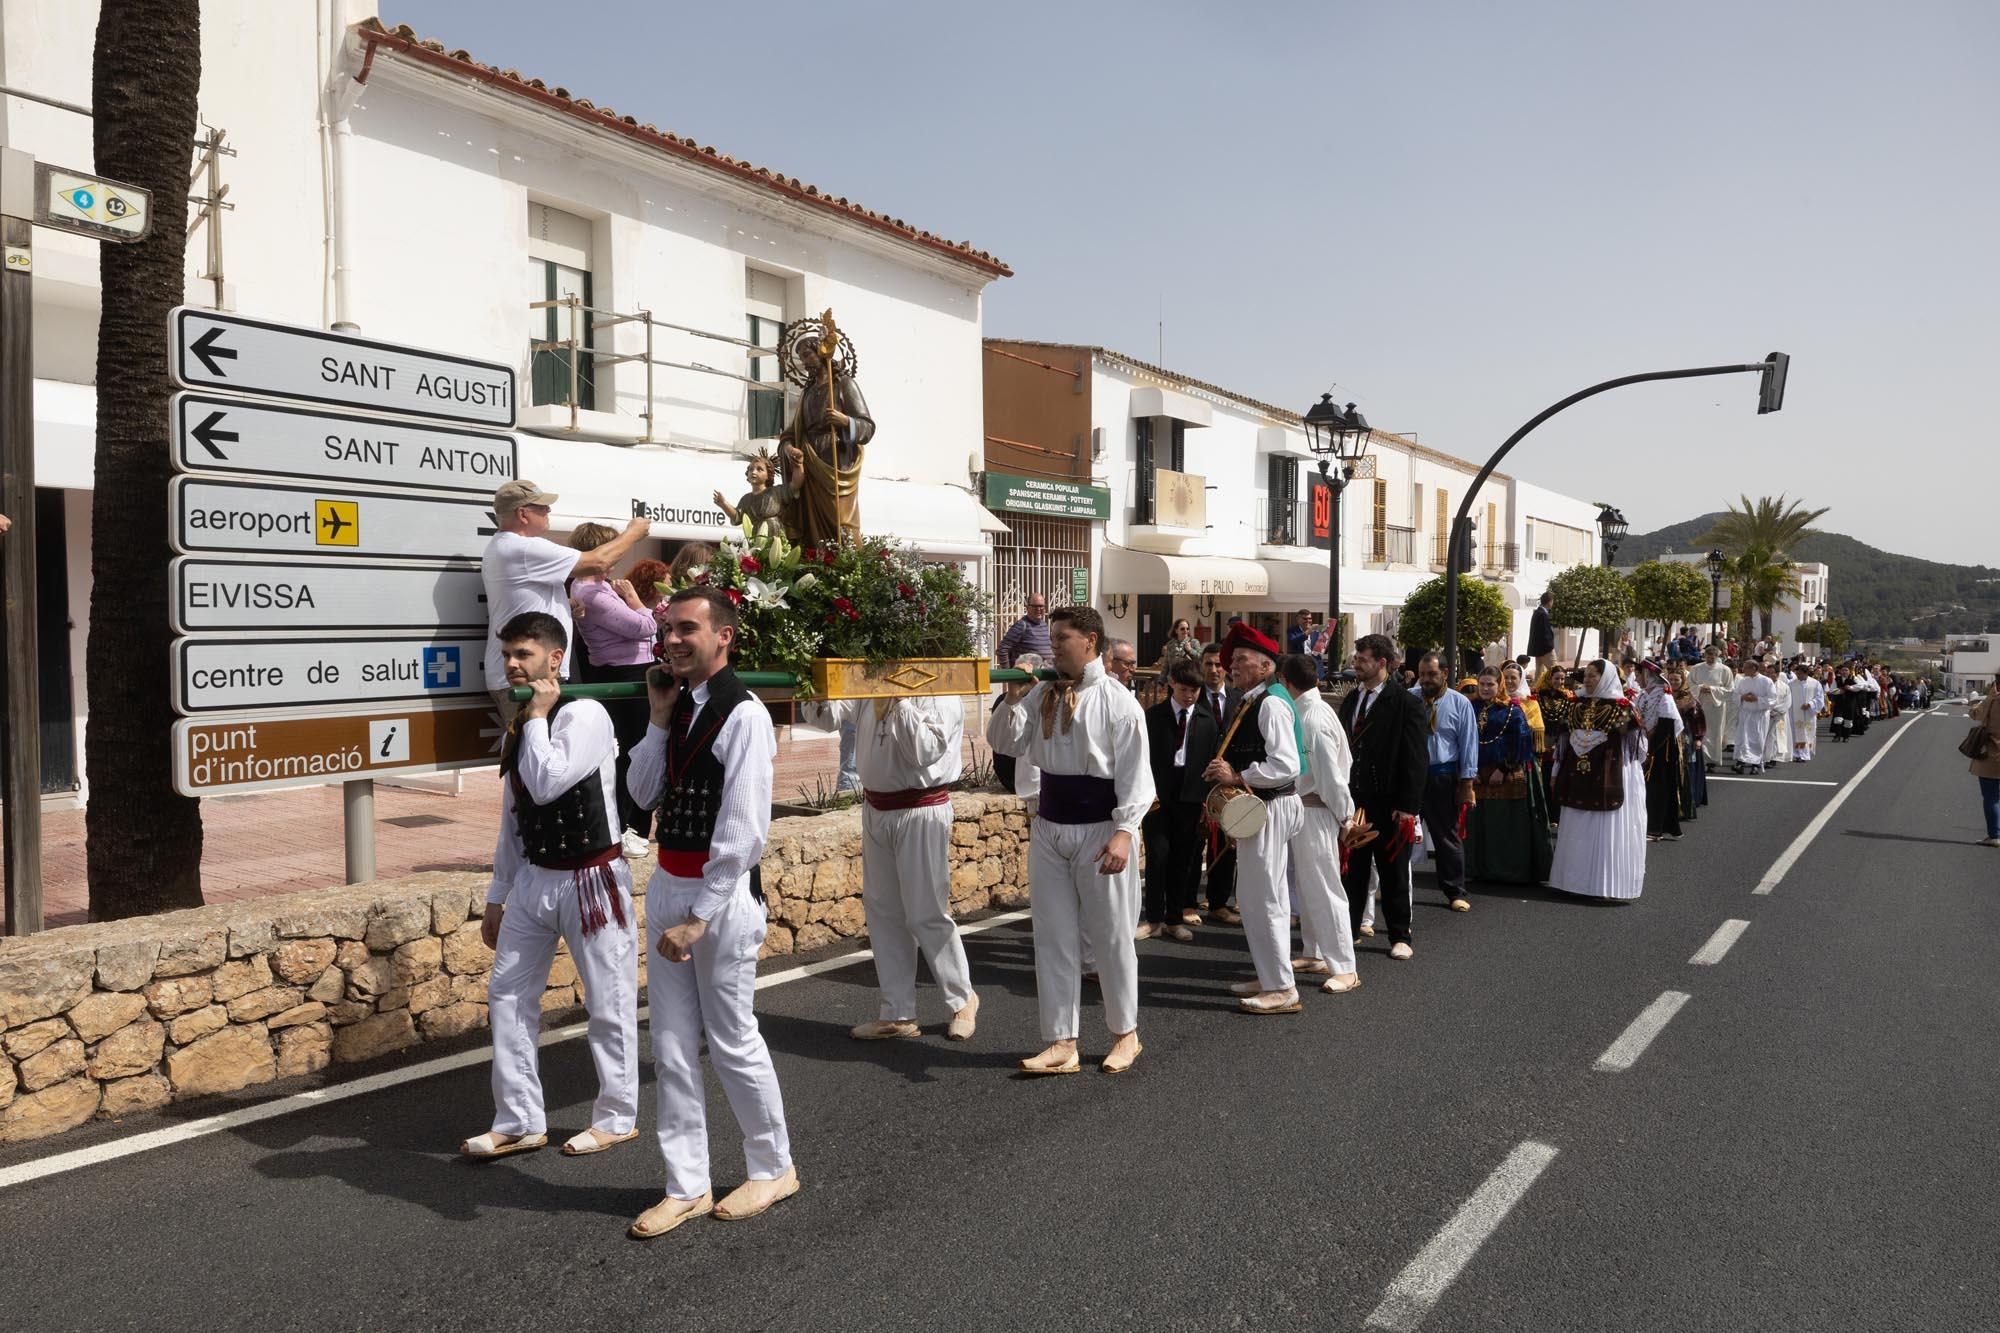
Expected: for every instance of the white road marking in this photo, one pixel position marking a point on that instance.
(1623, 1053)
(1789, 857)
(361, 1087)
(1777, 782)
(1417, 1288)
(1718, 944)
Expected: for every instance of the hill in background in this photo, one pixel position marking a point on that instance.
(1881, 594)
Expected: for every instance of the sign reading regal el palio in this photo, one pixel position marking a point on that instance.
(212, 350)
(1046, 497)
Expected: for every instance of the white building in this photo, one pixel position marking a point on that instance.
(1807, 604)
(1210, 502)
(431, 199)
(1971, 661)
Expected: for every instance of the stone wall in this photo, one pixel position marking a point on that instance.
(107, 1019)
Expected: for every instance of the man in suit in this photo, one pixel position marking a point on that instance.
(1181, 737)
(1542, 634)
(1387, 732)
(1220, 701)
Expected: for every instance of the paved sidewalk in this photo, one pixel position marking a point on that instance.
(285, 841)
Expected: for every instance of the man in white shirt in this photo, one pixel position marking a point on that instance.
(1752, 711)
(524, 571)
(1713, 682)
(910, 752)
(1326, 929)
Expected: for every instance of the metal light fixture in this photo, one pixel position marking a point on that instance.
(1716, 563)
(1118, 603)
(1335, 433)
(1611, 527)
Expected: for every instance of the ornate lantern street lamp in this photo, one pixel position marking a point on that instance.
(1333, 434)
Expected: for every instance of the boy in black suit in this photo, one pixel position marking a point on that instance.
(1219, 699)
(1181, 737)
(1387, 728)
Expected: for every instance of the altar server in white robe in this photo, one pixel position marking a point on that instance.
(1779, 751)
(1260, 756)
(558, 874)
(1326, 931)
(1753, 696)
(1086, 735)
(1714, 682)
(706, 764)
(909, 752)
(1808, 697)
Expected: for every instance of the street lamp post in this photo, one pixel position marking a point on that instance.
(1333, 434)
(1770, 397)
(1611, 528)
(1715, 562)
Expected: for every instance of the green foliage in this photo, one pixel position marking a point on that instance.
(1777, 526)
(1669, 591)
(1482, 615)
(1759, 580)
(1832, 634)
(871, 600)
(1590, 597)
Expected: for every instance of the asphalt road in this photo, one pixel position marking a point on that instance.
(1806, 1144)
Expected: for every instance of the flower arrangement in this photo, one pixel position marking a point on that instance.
(872, 600)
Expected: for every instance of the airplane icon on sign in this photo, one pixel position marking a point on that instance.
(339, 523)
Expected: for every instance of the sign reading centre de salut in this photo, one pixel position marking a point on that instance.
(1046, 497)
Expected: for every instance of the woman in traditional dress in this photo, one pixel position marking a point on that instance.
(1514, 685)
(1507, 832)
(1551, 700)
(1694, 737)
(1600, 786)
(1661, 718)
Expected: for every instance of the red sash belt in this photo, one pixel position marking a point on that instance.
(597, 893)
(683, 865)
(910, 798)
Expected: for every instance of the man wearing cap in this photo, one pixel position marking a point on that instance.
(524, 571)
(1261, 755)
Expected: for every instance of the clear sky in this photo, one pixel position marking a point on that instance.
(1458, 212)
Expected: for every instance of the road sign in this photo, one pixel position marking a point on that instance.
(213, 434)
(214, 514)
(77, 201)
(214, 674)
(266, 751)
(326, 595)
(218, 351)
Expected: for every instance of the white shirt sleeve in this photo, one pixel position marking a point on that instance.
(506, 849)
(539, 561)
(917, 730)
(646, 776)
(1280, 763)
(747, 746)
(827, 714)
(1131, 763)
(552, 758)
(1007, 729)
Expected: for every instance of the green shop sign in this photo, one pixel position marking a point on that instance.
(1051, 499)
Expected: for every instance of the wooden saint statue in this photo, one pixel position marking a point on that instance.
(829, 428)
(764, 503)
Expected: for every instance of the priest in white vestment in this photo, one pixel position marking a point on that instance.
(1808, 698)
(1754, 694)
(1779, 751)
(1713, 682)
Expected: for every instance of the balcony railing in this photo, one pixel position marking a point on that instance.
(1501, 558)
(1286, 522)
(1440, 550)
(1393, 546)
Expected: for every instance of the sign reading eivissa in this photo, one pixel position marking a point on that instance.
(326, 595)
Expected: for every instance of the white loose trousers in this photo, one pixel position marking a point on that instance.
(1074, 906)
(1326, 929)
(1261, 892)
(906, 891)
(712, 994)
(541, 909)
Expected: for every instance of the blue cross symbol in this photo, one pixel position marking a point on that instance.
(440, 667)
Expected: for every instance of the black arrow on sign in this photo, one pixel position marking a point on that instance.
(494, 519)
(206, 435)
(204, 347)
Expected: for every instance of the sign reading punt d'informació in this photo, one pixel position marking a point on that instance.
(1046, 497)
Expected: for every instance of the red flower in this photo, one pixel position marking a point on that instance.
(749, 565)
(829, 617)
(702, 578)
(905, 590)
(842, 605)
(735, 597)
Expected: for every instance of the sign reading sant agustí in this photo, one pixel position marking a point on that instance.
(1046, 497)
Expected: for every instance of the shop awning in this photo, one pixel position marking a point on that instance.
(1152, 401)
(1130, 571)
(937, 519)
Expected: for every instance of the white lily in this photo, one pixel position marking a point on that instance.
(765, 594)
(805, 582)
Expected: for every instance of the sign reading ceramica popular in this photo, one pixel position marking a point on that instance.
(1046, 497)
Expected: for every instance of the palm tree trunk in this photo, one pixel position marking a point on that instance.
(143, 842)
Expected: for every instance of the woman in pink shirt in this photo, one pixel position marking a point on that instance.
(619, 632)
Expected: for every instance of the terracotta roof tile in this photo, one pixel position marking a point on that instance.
(432, 52)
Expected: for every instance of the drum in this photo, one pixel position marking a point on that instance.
(1236, 812)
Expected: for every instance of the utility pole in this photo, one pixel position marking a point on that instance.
(21, 734)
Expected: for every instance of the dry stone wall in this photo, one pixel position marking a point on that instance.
(104, 1020)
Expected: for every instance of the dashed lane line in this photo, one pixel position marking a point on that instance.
(361, 1087)
(1789, 857)
(1417, 1288)
(1623, 1053)
(1777, 782)
(1718, 944)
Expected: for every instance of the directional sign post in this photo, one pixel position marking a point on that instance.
(212, 350)
(213, 514)
(215, 674)
(261, 751)
(78, 201)
(325, 595)
(216, 434)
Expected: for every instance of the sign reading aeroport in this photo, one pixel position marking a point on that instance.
(212, 350)
(213, 514)
(1046, 497)
(214, 674)
(217, 434)
(263, 751)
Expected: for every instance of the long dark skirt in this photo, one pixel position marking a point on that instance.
(1694, 783)
(1507, 840)
(1664, 767)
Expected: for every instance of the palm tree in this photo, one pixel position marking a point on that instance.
(1758, 581)
(1776, 525)
(143, 842)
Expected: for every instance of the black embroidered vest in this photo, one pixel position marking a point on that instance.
(573, 827)
(691, 792)
(1246, 746)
